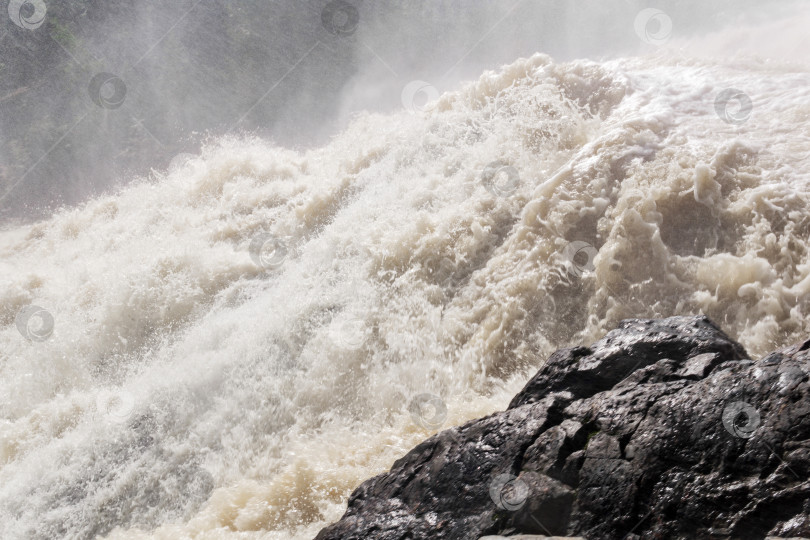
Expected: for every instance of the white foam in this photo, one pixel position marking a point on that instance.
(246, 415)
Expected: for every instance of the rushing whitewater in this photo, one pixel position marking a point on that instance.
(188, 390)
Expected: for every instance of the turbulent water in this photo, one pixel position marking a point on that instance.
(195, 385)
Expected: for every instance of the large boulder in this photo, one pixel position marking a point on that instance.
(662, 429)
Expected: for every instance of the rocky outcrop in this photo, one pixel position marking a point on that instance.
(662, 429)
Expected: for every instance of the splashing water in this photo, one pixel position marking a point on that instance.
(200, 384)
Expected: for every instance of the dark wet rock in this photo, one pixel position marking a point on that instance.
(662, 429)
(530, 537)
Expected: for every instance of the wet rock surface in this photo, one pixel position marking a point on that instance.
(662, 429)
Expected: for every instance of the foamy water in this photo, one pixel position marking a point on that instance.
(193, 389)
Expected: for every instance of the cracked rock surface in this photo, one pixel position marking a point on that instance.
(664, 428)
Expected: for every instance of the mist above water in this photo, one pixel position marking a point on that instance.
(193, 71)
(226, 346)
